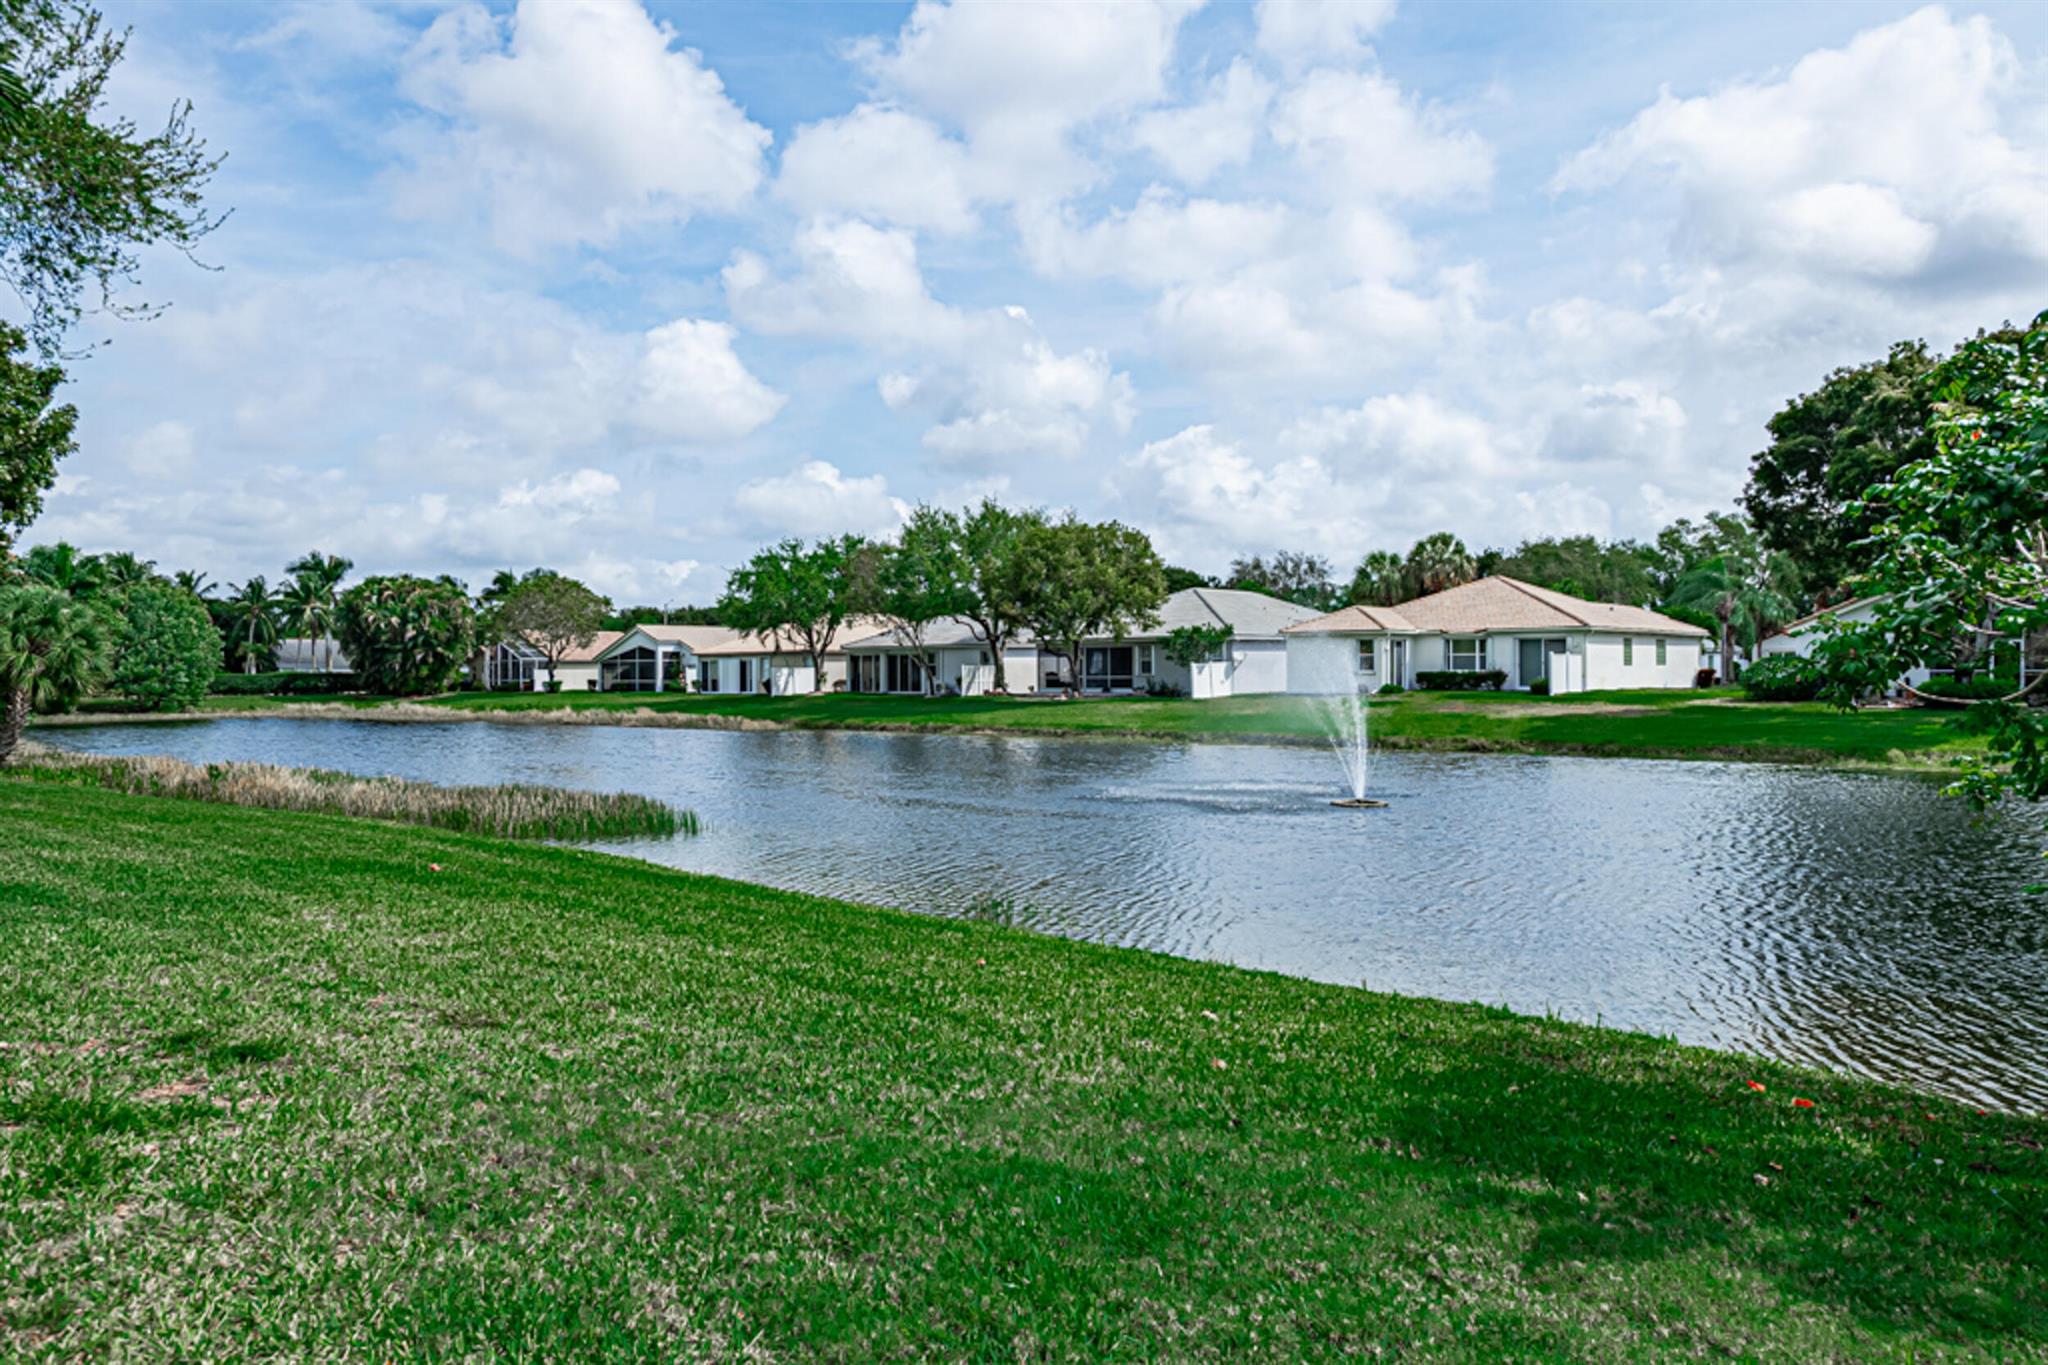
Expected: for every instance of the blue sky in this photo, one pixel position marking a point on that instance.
(630, 290)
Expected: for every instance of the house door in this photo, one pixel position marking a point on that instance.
(1397, 663)
(1109, 669)
(1535, 658)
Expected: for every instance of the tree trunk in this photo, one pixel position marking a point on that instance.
(1727, 651)
(13, 721)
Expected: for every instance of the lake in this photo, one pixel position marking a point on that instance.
(1855, 921)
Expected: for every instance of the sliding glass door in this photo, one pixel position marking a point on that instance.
(1110, 668)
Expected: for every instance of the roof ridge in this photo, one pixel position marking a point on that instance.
(1201, 592)
(1529, 590)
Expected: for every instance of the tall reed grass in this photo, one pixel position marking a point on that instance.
(511, 811)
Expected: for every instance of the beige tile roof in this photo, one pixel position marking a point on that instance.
(853, 628)
(1499, 603)
(599, 643)
(1354, 618)
(696, 638)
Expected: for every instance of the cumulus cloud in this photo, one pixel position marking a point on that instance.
(1195, 141)
(1905, 153)
(692, 385)
(816, 499)
(1360, 135)
(1302, 31)
(574, 121)
(163, 450)
(882, 164)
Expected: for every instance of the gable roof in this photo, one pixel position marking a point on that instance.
(1501, 603)
(952, 632)
(1836, 610)
(1250, 615)
(696, 639)
(599, 643)
(851, 629)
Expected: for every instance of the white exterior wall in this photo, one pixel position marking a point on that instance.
(1257, 666)
(573, 677)
(1605, 670)
(1312, 660)
(1806, 639)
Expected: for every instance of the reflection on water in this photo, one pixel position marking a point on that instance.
(1851, 920)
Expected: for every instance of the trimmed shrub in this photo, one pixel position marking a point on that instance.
(1390, 690)
(1975, 687)
(1540, 687)
(1781, 677)
(167, 648)
(1461, 680)
(282, 684)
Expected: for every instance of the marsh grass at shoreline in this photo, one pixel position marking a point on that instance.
(511, 811)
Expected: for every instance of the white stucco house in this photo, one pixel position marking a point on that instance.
(1803, 637)
(1528, 633)
(1253, 660)
(885, 662)
(658, 658)
(515, 666)
(299, 654)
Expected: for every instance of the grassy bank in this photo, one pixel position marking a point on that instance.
(271, 1086)
(1649, 724)
(508, 810)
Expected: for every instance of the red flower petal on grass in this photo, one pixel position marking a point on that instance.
(1802, 1104)
(433, 867)
(1754, 1085)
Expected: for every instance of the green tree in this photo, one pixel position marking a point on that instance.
(194, 581)
(1746, 588)
(1436, 562)
(312, 599)
(1960, 555)
(120, 570)
(166, 648)
(34, 434)
(405, 635)
(798, 593)
(1071, 581)
(81, 193)
(1179, 579)
(552, 614)
(1380, 581)
(918, 580)
(62, 567)
(1618, 571)
(53, 650)
(989, 537)
(1828, 447)
(1190, 645)
(1291, 575)
(251, 613)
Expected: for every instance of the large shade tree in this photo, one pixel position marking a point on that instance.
(166, 648)
(1294, 575)
(1959, 557)
(552, 614)
(1072, 581)
(1616, 571)
(796, 595)
(989, 538)
(406, 635)
(917, 580)
(53, 649)
(35, 433)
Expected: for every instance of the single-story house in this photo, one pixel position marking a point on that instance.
(298, 654)
(778, 665)
(1254, 659)
(1528, 633)
(886, 662)
(659, 658)
(515, 666)
(1803, 637)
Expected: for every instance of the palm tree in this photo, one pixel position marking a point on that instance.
(1439, 561)
(1379, 581)
(1743, 591)
(313, 598)
(195, 582)
(53, 649)
(121, 570)
(252, 615)
(62, 567)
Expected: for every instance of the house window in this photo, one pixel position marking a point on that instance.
(1144, 661)
(1468, 655)
(1628, 651)
(1368, 656)
(1660, 651)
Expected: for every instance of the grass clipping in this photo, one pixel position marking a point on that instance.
(511, 811)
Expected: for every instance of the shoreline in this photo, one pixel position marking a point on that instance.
(416, 713)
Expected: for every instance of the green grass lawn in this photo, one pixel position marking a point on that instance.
(1673, 723)
(272, 1085)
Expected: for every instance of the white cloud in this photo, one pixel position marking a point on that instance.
(1358, 135)
(1021, 79)
(853, 280)
(693, 387)
(816, 499)
(1195, 141)
(575, 121)
(882, 164)
(1161, 240)
(1909, 151)
(1297, 32)
(164, 450)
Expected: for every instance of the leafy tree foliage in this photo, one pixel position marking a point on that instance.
(1303, 579)
(552, 614)
(1380, 581)
(918, 580)
(53, 649)
(1729, 575)
(250, 616)
(35, 433)
(1960, 555)
(166, 648)
(1073, 580)
(82, 193)
(406, 635)
(1618, 571)
(309, 603)
(796, 593)
(1437, 562)
(1179, 579)
(989, 538)
(1859, 428)
(625, 618)
(1190, 645)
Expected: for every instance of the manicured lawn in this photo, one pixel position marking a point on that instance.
(1675, 723)
(272, 1086)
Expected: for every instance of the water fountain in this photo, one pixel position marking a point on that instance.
(1340, 707)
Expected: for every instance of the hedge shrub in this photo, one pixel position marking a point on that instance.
(282, 684)
(1781, 677)
(1448, 680)
(165, 650)
(1976, 687)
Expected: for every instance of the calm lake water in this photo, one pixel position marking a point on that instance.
(1853, 921)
